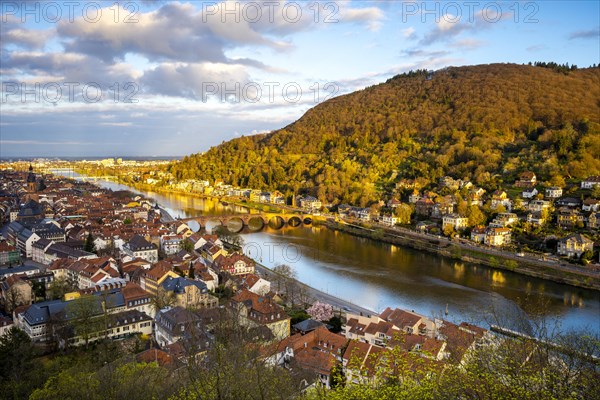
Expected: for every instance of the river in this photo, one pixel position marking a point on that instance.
(377, 275)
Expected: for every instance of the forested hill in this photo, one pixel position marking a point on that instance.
(486, 123)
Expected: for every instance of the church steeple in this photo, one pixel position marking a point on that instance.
(31, 180)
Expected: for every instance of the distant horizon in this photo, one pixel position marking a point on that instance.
(181, 77)
(90, 158)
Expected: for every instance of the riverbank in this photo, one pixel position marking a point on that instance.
(475, 254)
(459, 250)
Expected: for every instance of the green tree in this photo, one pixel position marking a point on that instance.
(59, 287)
(587, 255)
(337, 378)
(16, 361)
(187, 245)
(162, 299)
(83, 316)
(39, 289)
(69, 384)
(89, 246)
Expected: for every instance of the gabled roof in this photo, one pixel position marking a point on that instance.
(133, 291)
(138, 242)
(400, 318)
(158, 271)
(178, 285)
(578, 238)
(308, 325)
(260, 304)
(154, 355)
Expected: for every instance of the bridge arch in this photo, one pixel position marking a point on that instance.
(294, 221)
(255, 223)
(276, 222)
(235, 224)
(307, 220)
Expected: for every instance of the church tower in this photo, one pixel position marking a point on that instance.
(31, 180)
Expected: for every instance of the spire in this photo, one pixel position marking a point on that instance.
(30, 167)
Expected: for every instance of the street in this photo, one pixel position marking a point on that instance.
(315, 294)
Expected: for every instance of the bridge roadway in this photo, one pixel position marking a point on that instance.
(258, 220)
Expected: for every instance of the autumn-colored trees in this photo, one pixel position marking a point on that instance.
(479, 122)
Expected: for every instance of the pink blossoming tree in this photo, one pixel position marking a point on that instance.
(321, 311)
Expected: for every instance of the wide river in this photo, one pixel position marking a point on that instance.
(377, 275)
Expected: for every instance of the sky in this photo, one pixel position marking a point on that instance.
(160, 78)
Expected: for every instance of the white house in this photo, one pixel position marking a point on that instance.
(389, 220)
(503, 220)
(590, 182)
(310, 203)
(455, 221)
(538, 205)
(553, 192)
(530, 193)
(171, 244)
(497, 236)
(256, 284)
(574, 245)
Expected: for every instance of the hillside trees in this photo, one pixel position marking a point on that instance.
(478, 122)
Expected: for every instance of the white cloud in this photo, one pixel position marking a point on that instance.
(372, 16)
(408, 33)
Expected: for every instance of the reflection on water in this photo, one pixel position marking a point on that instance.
(377, 275)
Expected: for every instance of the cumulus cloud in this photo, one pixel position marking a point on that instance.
(371, 16)
(195, 81)
(450, 26)
(26, 38)
(68, 67)
(13, 32)
(179, 32)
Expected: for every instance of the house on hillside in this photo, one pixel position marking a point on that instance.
(497, 237)
(574, 245)
(526, 180)
(590, 182)
(455, 221)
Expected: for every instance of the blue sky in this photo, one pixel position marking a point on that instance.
(199, 73)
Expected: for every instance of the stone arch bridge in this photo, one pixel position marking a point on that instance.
(254, 222)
